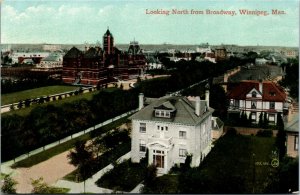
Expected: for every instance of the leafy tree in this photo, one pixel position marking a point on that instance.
(260, 122)
(27, 103)
(82, 158)
(281, 137)
(150, 178)
(20, 104)
(265, 121)
(8, 185)
(12, 107)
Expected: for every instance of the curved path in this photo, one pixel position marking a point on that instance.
(51, 170)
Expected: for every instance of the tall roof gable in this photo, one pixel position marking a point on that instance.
(270, 91)
(73, 53)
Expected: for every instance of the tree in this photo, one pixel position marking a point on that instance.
(82, 158)
(260, 122)
(281, 137)
(265, 121)
(8, 185)
(150, 179)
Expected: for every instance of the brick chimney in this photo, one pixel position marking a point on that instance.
(260, 86)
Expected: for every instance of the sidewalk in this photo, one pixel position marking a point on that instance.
(90, 185)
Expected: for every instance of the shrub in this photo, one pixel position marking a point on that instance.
(231, 131)
(264, 133)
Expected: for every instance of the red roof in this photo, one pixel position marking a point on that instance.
(271, 91)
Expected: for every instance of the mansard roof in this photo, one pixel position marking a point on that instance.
(270, 91)
(185, 111)
(73, 53)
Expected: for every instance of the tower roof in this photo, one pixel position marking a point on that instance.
(107, 33)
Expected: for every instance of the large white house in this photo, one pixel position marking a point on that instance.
(170, 128)
(256, 97)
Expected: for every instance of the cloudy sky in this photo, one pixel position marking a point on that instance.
(80, 21)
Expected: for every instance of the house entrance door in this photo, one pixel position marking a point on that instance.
(159, 158)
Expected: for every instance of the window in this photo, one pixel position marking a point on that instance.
(162, 113)
(272, 117)
(253, 116)
(236, 103)
(182, 134)
(166, 128)
(253, 105)
(143, 127)
(142, 146)
(296, 143)
(158, 127)
(254, 94)
(168, 114)
(272, 105)
(157, 113)
(182, 152)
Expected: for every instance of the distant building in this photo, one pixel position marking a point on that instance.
(289, 53)
(292, 136)
(97, 66)
(254, 98)
(170, 128)
(220, 54)
(34, 57)
(261, 61)
(51, 47)
(54, 60)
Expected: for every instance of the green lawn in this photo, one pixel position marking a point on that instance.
(45, 155)
(35, 93)
(230, 167)
(26, 111)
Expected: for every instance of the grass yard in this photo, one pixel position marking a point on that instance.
(45, 155)
(230, 167)
(26, 111)
(35, 93)
(123, 177)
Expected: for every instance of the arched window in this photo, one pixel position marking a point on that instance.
(254, 94)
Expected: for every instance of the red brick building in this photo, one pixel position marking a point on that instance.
(95, 65)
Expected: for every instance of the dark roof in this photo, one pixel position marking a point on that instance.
(73, 53)
(185, 111)
(108, 33)
(271, 91)
(92, 53)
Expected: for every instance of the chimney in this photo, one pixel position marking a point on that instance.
(260, 86)
(197, 106)
(207, 97)
(141, 101)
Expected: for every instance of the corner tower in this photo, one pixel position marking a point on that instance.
(108, 42)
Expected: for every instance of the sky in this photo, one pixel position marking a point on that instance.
(85, 21)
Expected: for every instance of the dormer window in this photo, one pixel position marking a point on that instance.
(254, 94)
(162, 113)
(165, 110)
